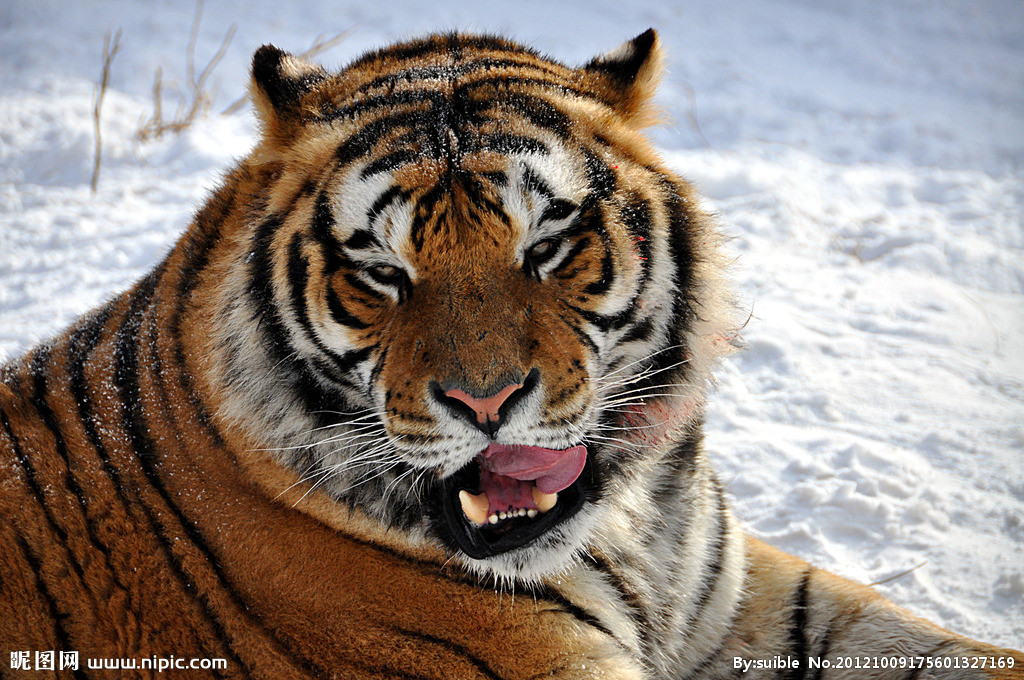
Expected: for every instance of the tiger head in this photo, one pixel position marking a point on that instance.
(470, 300)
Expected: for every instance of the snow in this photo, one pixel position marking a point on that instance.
(867, 160)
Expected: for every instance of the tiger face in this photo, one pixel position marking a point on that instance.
(475, 279)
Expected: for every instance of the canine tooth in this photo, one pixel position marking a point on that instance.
(531, 513)
(544, 501)
(474, 507)
(493, 519)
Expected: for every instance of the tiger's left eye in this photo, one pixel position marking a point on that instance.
(385, 273)
(542, 251)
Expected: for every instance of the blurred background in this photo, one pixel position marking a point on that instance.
(866, 159)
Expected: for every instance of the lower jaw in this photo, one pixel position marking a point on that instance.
(481, 542)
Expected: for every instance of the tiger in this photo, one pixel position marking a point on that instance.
(419, 393)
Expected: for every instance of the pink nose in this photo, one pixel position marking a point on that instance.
(486, 409)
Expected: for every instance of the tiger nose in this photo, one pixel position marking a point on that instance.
(488, 413)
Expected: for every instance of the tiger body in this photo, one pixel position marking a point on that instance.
(453, 247)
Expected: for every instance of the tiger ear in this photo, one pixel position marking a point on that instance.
(279, 82)
(627, 77)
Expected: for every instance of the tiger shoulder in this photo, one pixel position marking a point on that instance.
(419, 393)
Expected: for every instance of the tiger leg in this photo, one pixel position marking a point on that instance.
(832, 627)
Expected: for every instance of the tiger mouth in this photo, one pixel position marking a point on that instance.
(509, 496)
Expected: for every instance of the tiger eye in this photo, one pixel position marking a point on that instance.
(543, 250)
(385, 273)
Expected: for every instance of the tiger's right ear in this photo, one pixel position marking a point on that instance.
(627, 77)
(279, 83)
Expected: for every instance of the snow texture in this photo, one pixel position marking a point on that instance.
(866, 158)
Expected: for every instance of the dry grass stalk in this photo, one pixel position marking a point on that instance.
(110, 49)
(196, 101)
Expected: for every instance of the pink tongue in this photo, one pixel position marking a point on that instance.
(509, 472)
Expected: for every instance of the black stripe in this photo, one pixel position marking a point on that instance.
(797, 630)
(602, 179)
(39, 371)
(503, 81)
(390, 162)
(823, 649)
(63, 639)
(479, 196)
(362, 286)
(419, 102)
(601, 286)
(497, 177)
(49, 419)
(589, 219)
(478, 663)
(340, 314)
(298, 279)
(322, 225)
(415, 74)
(165, 401)
(571, 608)
(92, 334)
(378, 365)
(362, 238)
(637, 218)
(133, 422)
(713, 567)
(570, 257)
(86, 342)
(425, 209)
(196, 247)
(37, 493)
(642, 331)
(603, 322)
(436, 570)
(629, 597)
(393, 194)
(126, 380)
(420, 122)
(533, 182)
(557, 209)
(540, 112)
(581, 334)
(508, 143)
(307, 386)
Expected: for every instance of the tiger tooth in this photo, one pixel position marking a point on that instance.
(544, 501)
(474, 506)
(493, 519)
(531, 513)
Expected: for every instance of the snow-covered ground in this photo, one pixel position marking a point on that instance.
(867, 158)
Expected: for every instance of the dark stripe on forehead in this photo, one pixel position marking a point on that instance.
(449, 72)
(480, 198)
(393, 194)
(540, 112)
(425, 208)
(390, 162)
(533, 182)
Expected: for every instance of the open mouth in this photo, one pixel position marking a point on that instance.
(510, 495)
